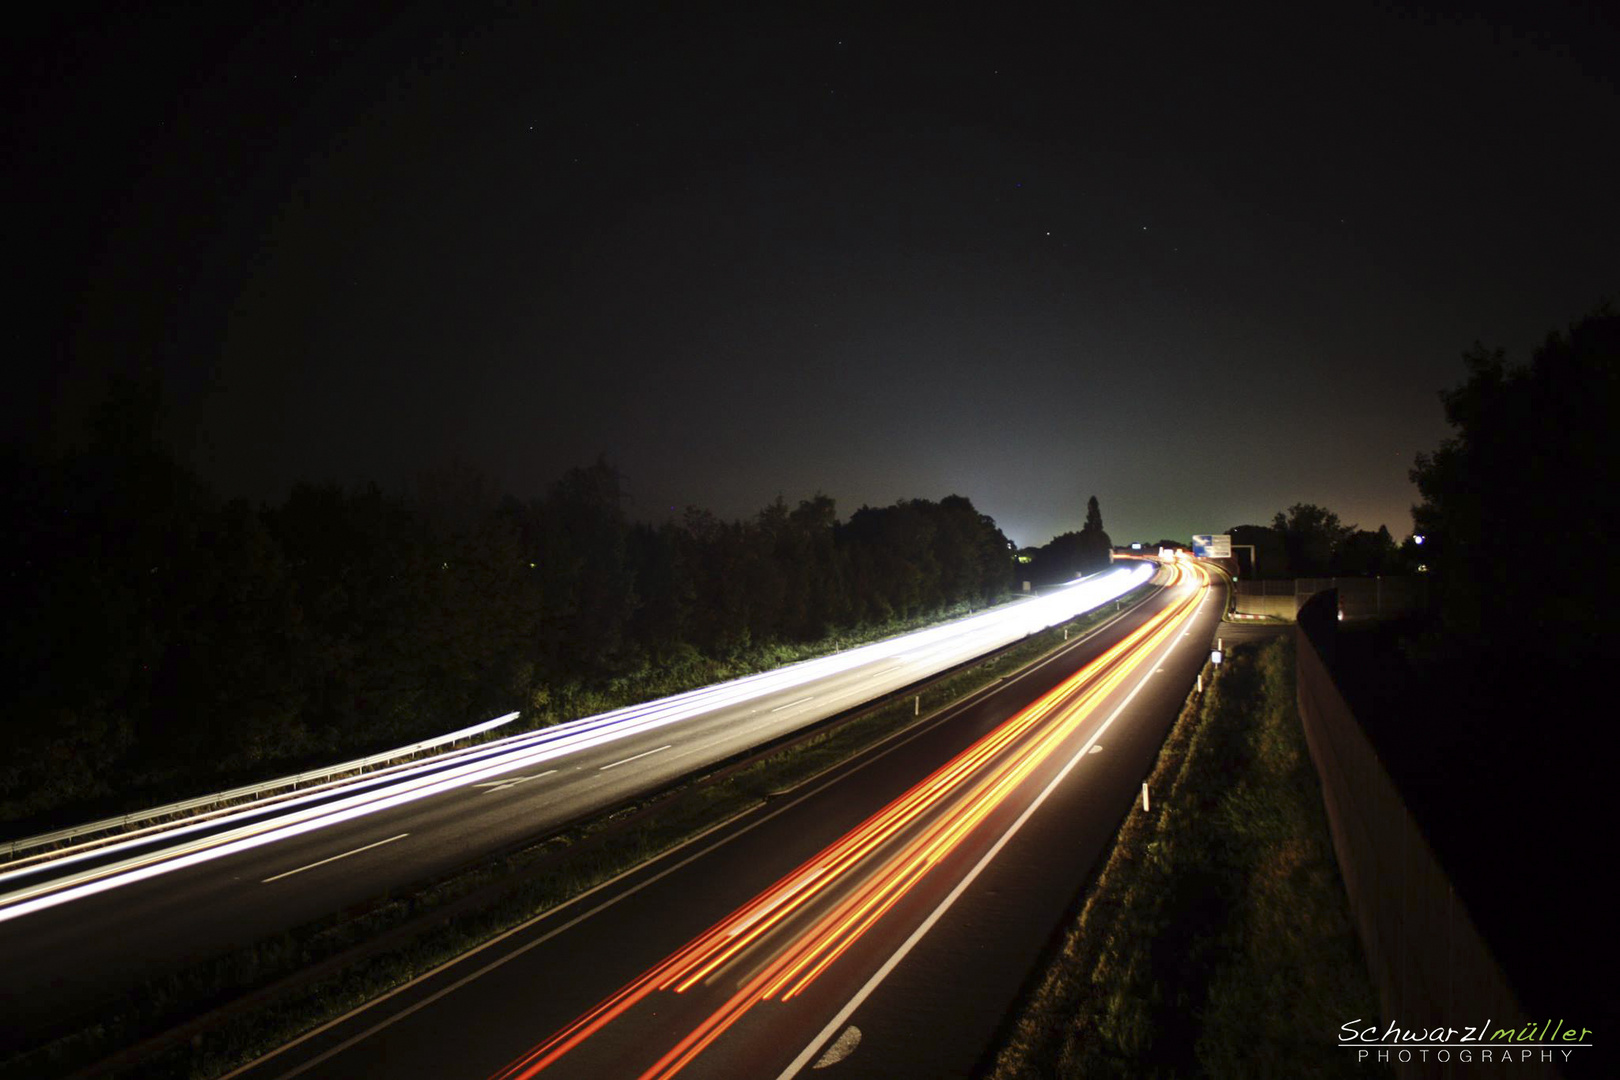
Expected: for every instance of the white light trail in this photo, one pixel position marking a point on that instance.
(921, 654)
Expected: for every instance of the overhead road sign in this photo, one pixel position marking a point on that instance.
(1213, 546)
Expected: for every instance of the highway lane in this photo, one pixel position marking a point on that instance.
(69, 948)
(914, 925)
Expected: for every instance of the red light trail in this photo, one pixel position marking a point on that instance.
(864, 874)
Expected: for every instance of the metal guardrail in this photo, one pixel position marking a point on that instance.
(12, 847)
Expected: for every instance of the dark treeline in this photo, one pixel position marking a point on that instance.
(1519, 504)
(158, 637)
(1525, 482)
(1071, 554)
(1520, 491)
(1307, 540)
(1493, 712)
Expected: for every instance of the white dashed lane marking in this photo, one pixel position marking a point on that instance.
(334, 858)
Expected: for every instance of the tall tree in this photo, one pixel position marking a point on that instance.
(1072, 554)
(1366, 552)
(1312, 537)
(1531, 466)
(1096, 549)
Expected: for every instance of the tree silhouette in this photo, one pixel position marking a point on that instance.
(1094, 523)
(1072, 554)
(1312, 537)
(229, 640)
(1531, 466)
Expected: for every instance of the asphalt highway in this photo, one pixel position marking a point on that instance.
(77, 932)
(877, 922)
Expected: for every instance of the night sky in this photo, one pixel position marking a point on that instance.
(1202, 261)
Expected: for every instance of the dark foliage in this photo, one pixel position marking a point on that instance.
(1308, 540)
(159, 639)
(1072, 554)
(1493, 715)
(1531, 468)
(1268, 559)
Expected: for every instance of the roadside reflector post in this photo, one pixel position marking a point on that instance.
(916, 706)
(1065, 633)
(1200, 682)
(1145, 806)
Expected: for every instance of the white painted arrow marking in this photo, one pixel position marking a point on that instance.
(512, 781)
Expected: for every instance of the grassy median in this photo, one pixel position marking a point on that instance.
(297, 980)
(1217, 939)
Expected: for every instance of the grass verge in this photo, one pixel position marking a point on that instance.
(207, 1019)
(1217, 939)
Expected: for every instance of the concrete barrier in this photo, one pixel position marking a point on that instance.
(1427, 959)
(1359, 597)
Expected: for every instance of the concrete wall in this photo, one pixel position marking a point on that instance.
(1431, 967)
(1361, 598)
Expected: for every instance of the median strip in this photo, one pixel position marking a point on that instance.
(303, 978)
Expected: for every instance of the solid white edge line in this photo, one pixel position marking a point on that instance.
(836, 1023)
(901, 737)
(636, 757)
(334, 858)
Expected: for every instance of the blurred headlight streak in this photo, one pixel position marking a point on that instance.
(903, 659)
(786, 937)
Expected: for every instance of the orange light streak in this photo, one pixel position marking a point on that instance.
(961, 795)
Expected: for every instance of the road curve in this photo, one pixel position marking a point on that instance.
(878, 924)
(77, 932)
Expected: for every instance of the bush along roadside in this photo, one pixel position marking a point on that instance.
(572, 703)
(1216, 941)
(543, 707)
(282, 986)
